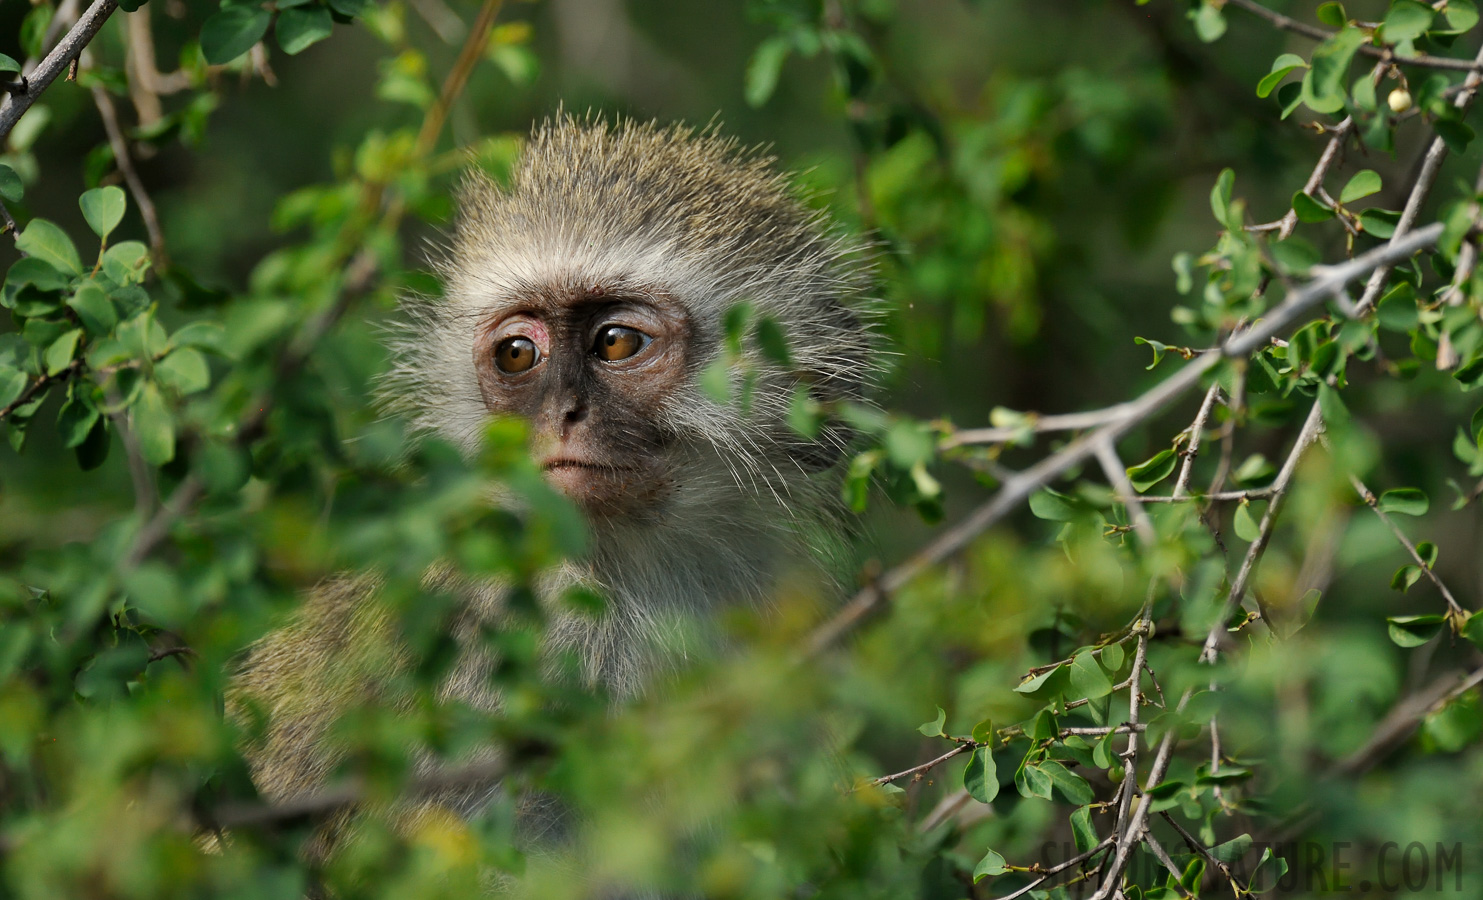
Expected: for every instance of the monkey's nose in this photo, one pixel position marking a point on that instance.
(575, 414)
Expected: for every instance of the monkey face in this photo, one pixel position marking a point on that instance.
(590, 370)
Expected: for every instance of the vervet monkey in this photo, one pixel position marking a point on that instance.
(588, 296)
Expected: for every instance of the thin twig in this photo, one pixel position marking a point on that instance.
(125, 162)
(1196, 432)
(1404, 717)
(1162, 856)
(1431, 165)
(1058, 868)
(40, 384)
(1374, 503)
(1036, 424)
(1194, 844)
(1117, 474)
(54, 64)
(914, 770)
(1139, 819)
(351, 792)
(1306, 435)
(1383, 53)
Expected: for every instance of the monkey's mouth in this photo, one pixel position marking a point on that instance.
(600, 487)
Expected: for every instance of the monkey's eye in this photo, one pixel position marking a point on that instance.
(515, 355)
(614, 342)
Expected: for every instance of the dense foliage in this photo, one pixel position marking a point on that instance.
(1217, 636)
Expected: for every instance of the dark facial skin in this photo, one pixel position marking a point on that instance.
(589, 369)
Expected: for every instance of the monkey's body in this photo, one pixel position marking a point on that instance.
(588, 296)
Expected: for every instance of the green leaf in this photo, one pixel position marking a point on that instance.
(103, 208)
(1472, 629)
(991, 864)
(75, 421)
(1245, 523)
(1052, 505)
(201, 335)
(50, 244)
(1072, 786)
(1153, 470)
(1323, 84)
(715, 380)
(1210, 23)
(1274, 866)
(34, 271)
(1083, 832)
(1087, 678)
(1404, 501)
(153, 426)
(1309, 209)
(765, 67)
(1379, 222)
(126, 262)
(1407, 20)
(1363, 183)
(231, 32)
(983, 731)
(184, 370)
(981, 778)
(1332, 14)
(1158, 348)
(8, 64)
(908, 443)
(1404, 578)
(12, 384)
(1031, 685)
(1456, 135)
(1461, 16)
(1030, 781)
(934, 727)
(11, 187)
(1220, 195)
(1284, 64)
(773, 341)
(351, 9)
(1290, 97)
(59, 354)
(302, 26)
(94, 309)
(1413, 631)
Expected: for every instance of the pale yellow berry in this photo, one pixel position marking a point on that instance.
(1399, 100)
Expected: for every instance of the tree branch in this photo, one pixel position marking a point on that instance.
(1326, 281)
(1385, 53)
(54, 64)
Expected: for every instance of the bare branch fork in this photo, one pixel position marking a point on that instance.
(1326, 282)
